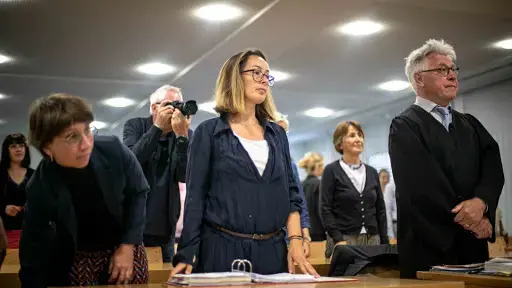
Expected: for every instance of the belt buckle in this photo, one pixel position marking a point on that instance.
(257, 236)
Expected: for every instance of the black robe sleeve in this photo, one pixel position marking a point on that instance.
(425, 196)
(492, 179)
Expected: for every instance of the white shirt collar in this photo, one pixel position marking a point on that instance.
(426, 104)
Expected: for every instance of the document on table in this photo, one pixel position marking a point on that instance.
(241, 278)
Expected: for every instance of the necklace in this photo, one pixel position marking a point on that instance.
(244, 124)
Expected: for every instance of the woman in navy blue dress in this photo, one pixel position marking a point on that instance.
(241, 191)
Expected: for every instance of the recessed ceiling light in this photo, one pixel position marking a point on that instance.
(218, 12)
(504, 44)
(2, 121)
(361, 28)
(2, 96)
(4, 59)
(279, 76)
(155, 68)
(208, 107)
(394, 85)
(119, 102)
(318, 112)
(99, 124)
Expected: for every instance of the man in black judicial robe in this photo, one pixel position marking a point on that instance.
(447, 169)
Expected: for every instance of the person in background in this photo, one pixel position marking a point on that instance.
(351, 203)
(313, 163)
(391, 211)
(3, 243)
(160, 143)
(85, 210)
(179, 224)
(304, 213)
(499, 227)
(447, 169)
(241, 191)
(383, 179)
(15, 172)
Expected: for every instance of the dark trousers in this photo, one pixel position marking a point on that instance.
(166, 243)
(218, 250)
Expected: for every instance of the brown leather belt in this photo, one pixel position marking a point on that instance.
(247, 236)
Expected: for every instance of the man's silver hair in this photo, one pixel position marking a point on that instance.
(416, 61)
(161, 93)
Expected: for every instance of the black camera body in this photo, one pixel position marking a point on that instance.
(187, 108)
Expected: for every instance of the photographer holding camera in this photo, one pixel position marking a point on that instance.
(160, 143)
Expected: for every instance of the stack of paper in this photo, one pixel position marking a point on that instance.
(468, 268)
(212, 279)
(500, 264)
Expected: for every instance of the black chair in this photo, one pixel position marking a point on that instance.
(354, 260)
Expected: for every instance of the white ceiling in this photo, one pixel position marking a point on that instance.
(89, 48)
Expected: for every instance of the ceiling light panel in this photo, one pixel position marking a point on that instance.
(155, 68)
(361, 28)
(4, 59)
(318, 112)
(119, 102)
(504, 44)
(98, 124)
(218, 12)
(279, 75)
(394, 85)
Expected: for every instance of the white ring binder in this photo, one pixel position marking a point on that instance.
(241, 263)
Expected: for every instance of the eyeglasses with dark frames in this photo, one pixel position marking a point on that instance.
(257, 75)
(444, 70)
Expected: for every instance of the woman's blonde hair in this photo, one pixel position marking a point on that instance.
(310, 161)
(229, 91)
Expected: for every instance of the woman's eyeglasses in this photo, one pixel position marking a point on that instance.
(257, 75)
(74, 138)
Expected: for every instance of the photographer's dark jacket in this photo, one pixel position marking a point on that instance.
(164, 162)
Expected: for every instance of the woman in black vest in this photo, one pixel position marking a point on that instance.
(352, 204)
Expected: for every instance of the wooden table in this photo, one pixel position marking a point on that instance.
(471, 280)
(364, 282)
(158, 273)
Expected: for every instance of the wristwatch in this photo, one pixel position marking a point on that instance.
(181, 139)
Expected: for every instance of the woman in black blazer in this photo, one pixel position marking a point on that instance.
(86, 202)
(14, 175)
(352, 204)
(313, 163)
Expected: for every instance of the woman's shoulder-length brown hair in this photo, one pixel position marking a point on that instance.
(50, 116)
(229, 91)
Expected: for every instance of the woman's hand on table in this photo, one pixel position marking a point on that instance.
(296, 255)
(187, 268)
